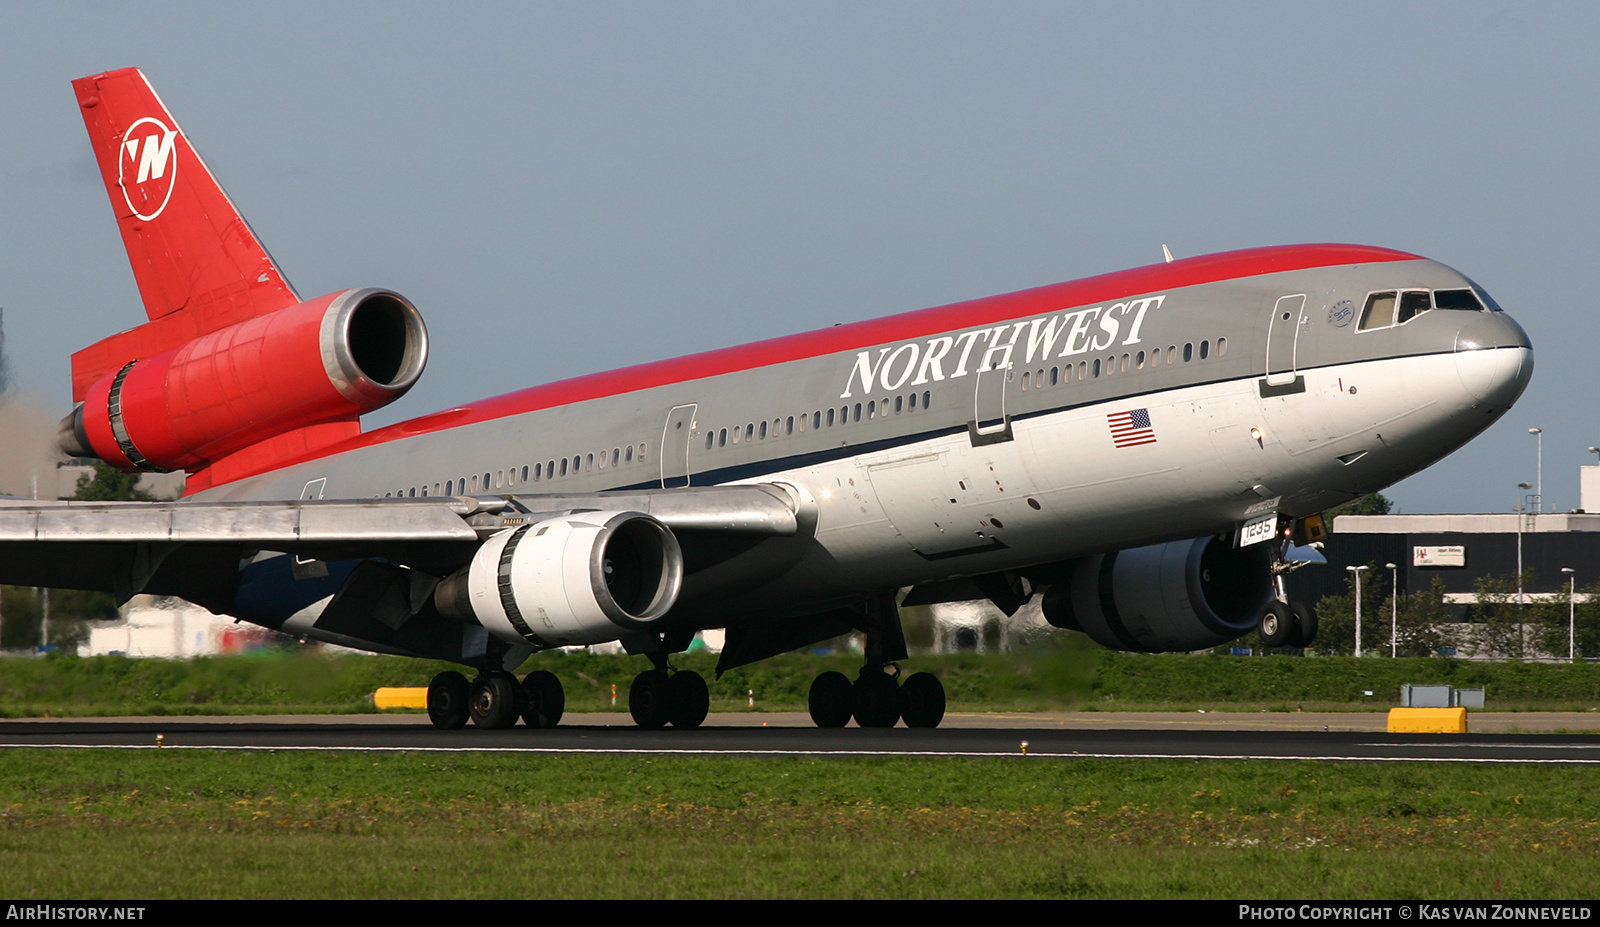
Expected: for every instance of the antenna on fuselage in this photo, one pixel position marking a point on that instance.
(1167, 253)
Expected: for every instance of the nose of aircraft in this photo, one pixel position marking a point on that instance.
(1493, 358)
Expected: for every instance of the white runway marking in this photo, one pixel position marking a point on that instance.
(1329, 758)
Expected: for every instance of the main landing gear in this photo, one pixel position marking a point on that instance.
(876, 699)
(658, 698)
(495, 700)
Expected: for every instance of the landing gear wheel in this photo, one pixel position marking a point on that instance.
(650, 700)
(830, 701)
(922, 700)
(494, 701)
(690, 699)
(877, 700)
(1305, 624)
(545, 699)
(448, 696)
(1276, 624)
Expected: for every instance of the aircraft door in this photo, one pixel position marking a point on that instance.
(676, 437)
(1283, 335)
(991, 424)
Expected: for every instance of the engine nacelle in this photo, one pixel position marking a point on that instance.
(570, 580)
(327, 360)
(1186, 595)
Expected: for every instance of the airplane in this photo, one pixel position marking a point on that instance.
(1139, 449)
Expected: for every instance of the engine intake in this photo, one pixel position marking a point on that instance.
(569, 580)
(1185, 595)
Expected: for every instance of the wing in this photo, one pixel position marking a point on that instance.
(194, 550)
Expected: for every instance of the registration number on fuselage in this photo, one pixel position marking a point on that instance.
(1258, 529)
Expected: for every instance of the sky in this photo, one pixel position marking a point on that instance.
(565, 188)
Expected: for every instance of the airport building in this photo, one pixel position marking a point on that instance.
(1459, 549)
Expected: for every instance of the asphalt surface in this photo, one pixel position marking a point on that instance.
(1495, 738)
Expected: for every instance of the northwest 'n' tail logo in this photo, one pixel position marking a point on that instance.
(148, 166)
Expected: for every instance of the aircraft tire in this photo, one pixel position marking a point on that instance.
(546, 700)
(1305, 624)
(877, 700)
(1276, 625)
(691, 700)
(830, 700)
(650, 700)
(495, 699)
(448, 701)
(922, 700)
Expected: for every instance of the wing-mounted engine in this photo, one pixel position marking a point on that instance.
(569, 580)
(323, 362)
(1186, 595)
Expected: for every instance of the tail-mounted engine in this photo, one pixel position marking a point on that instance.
(1186, 595)
(327, 360)
(571, 580)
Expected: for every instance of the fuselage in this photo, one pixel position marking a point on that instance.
(1155, 404)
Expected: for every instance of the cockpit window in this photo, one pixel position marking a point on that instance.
(1457, 299)
(1379, 312)
(1397, 307)
(1412, 302)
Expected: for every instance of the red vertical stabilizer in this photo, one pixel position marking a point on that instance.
(198, 265)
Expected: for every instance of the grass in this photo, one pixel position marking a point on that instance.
(193, 824)
(1063, 678)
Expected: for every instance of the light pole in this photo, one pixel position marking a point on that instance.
(1520, 508)
(1572, 614)
(1394, 610)
(1538, 489)
(1356, 570)
(1595, 451)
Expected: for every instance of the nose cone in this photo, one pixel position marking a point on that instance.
(1493, 358)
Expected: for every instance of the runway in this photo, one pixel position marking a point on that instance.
(1288, 736)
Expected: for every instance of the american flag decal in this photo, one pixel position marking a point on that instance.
(1131, 428)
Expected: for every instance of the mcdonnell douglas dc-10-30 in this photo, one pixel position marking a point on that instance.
(1140, 449)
